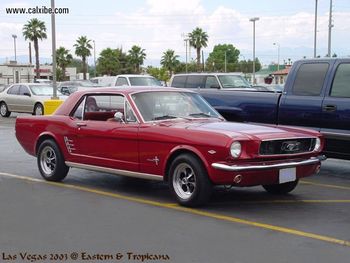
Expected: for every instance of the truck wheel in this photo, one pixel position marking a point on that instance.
(51, 162)
(4, 111)
(281, 189)
(38, 109)
(189, 181)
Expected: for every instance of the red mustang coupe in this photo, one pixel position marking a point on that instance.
(167, 134)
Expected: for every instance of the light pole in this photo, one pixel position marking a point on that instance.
(53, 36)
(94, 58)
(226, 59)
(315, 33)
(254, 19)
(330, 25)
(278, 55)
(14, 44)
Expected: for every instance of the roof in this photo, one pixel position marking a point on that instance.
(281, 72)
(211, 73)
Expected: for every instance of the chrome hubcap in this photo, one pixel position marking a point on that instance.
(48, 160)
(184, 181)
(38, 110)
(3, 109)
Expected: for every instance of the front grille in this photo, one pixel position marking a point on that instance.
(287, 146)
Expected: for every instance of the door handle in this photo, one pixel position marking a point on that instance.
(330, 108)
(81, 124)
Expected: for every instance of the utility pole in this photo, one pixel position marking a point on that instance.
(30, 53)
(94, 58)
(14, 45)
(254, 19)
(330, 25)
(53, 29)
(315, 35)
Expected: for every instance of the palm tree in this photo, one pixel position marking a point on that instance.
(136, 57)
(82, 49)
(169, 60)
(33, 31)
(198, 40)
(63, 59)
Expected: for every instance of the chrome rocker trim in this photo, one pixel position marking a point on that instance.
(115, 171)
(237, 168)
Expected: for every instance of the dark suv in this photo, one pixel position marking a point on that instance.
(210, 80)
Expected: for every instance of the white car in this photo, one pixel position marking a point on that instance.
(26, 97)
(127, 80)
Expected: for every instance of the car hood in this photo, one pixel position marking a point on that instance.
(243, 130)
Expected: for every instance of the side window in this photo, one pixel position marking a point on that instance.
(194, 82)
(23, 90)
(99, 107)
(14, 90)
(211, 82)
(121, 81)
(341, 83)
(78, 113)
(179, 82)
(129, 113)
(309, 79)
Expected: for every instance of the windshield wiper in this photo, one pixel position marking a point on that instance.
(200, 114)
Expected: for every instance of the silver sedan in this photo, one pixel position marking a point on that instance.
(26, 97)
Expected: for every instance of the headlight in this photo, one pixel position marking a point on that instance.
(236, 149)
(317, 144)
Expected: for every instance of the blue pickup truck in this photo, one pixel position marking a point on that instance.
(316, 96)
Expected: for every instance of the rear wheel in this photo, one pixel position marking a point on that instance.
(51, 162)
(281, 189)
(189, 181)
(4, 110)
(38, 109)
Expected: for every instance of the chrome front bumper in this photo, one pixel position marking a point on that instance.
(239, 168)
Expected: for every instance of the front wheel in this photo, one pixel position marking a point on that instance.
(38, 109)
(281, 189)
(189, 181)
(51, 162)
(4, 110)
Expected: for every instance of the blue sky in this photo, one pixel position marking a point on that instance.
(157, 25)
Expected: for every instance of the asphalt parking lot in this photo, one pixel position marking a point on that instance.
(98, 217)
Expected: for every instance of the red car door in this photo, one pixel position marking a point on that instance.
(97, 139)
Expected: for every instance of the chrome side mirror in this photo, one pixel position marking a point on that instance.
(118, 116)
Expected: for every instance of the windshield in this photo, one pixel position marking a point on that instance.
(144, 81)
(233, 81)
(160, 105)
(41, 90)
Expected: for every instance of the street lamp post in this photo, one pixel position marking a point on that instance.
(226, 59)
(278, 55)
(54, 62)
(254, 19)
(14, 44)
(315, 33)
(94, 58)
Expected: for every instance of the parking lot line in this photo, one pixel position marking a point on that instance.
(326, 185)
(189, 210)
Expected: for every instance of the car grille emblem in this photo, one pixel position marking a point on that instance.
(291, 146)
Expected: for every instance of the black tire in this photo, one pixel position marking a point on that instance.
(38, 109)
(4, 111)
(188, 181)
(51, 162)
(281, 189)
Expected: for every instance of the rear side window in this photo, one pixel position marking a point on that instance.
(341, 83)
(121, 81)
(179, 82)
(194, 82)
(14, 90)
(309, 79)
